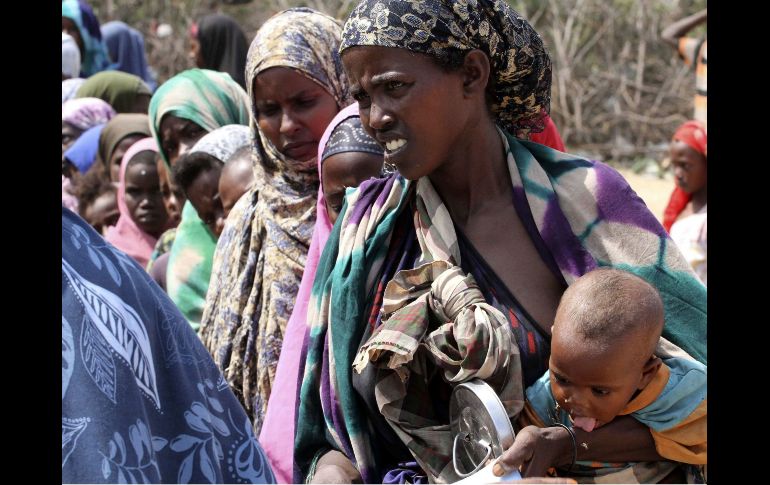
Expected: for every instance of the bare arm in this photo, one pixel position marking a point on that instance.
(538, 449)
(334, 467)
(673, 32)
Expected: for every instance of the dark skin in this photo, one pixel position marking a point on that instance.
(403, 94)
(195, 54)
(103, 212)
(117, 155)
(400, 95)
(236, 178)
(203, 194)
(343, 170)
(292, 111)
(173, 196)
(678, 29)
(69, 133)
(141, 104)
(690, 172)
(177, 136)
(68, 26)
(143, 198)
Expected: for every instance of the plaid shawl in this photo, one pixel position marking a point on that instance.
(586, 214)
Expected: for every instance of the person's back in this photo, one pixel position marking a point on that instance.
(142, 400)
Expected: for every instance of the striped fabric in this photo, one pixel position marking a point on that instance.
(587, 216)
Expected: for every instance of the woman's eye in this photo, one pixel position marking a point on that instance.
(391, 85)
(305, 102)
(268, 110)
(360, 96)
(600, 392)
(560, 379)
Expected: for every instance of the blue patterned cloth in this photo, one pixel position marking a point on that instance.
(142, 400)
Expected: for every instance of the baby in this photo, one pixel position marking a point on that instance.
(602, 365)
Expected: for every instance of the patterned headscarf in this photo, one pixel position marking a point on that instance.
(83, 113)
(70, 56)
(120, 89)
(349, 136)
(521, 68)
(117, 128)
(209, 98)
(95, 57)
(223, 142)
(262, 251)
(126, 47)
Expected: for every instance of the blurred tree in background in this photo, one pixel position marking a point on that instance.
(619, 91)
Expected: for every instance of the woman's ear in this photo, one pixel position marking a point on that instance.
(475, 71)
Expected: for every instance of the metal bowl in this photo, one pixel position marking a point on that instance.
(480, 426)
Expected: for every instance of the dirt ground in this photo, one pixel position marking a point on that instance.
(653, 190)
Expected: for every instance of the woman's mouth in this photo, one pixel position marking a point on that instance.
(394, 147)
(300, 150)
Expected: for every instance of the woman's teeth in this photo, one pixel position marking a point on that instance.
(394, 145)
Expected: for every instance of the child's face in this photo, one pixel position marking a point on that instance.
(143, 198)
(173, 196)
(347, 169)
(103, 212)
(594, 386)
(233, 183)
(203, 194)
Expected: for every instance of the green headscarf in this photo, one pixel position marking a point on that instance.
(212, 100)
(120, 89)
(209, 98)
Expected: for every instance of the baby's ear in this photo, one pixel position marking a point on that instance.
(649, 371)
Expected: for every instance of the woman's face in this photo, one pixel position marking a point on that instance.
(69, 134)
(413, 108)
(68, 26)
(143, 199)
(177, 136)
(689, 167)
(343, 170)
(292, 111)
(117, 155)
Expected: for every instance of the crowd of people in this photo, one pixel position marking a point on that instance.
(299, 247)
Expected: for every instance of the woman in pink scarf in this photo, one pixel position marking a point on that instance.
(143, 216)
(277, 435)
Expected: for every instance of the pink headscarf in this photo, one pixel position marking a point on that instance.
(277, 435)
(126, 235)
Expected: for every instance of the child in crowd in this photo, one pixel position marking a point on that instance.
(98, 200)
(198, 171)
(350, 157)
(143, 217)
(236, 178)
